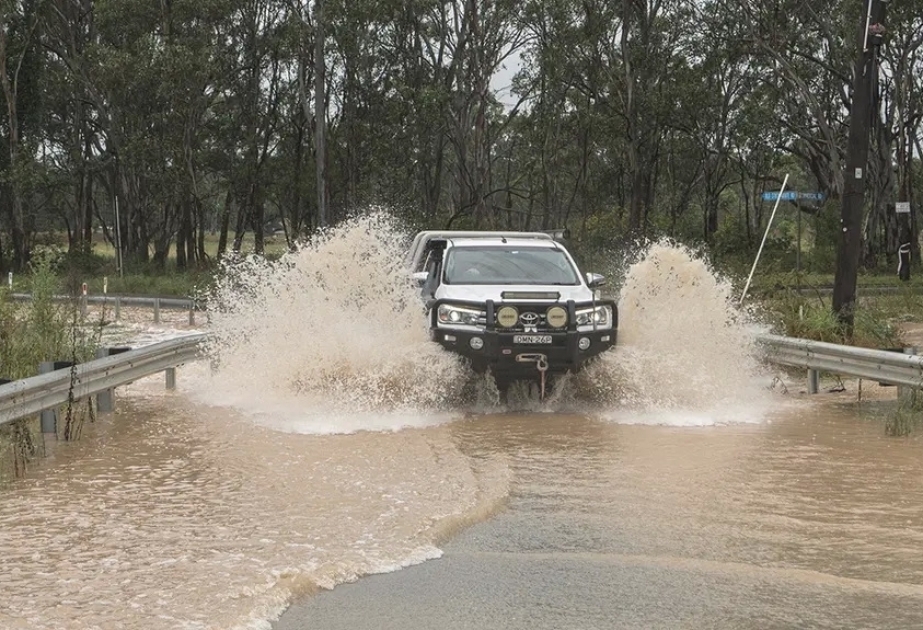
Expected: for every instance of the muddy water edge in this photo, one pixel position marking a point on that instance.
(811, 519)
(173, 514)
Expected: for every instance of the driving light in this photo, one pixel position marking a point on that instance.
(556, 317)
(584, 343)
(507, 316)
(476, 343)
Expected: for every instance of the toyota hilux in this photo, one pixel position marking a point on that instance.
(514, 304)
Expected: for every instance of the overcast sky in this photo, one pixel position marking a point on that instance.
(502, 81)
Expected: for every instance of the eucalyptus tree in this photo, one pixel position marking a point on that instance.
(20, 68)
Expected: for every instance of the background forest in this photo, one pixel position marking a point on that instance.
(196, 121)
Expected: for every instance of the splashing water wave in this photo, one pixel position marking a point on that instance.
(335, 333)
(684, 345)
(335, 326)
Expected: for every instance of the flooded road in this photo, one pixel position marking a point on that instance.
(173, 514)
(334, 440)
(169, 515)
(811, 519)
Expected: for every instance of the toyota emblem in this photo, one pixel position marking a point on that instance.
(529, 319)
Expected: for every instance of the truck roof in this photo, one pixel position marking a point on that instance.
(502, 241)
(417, 249)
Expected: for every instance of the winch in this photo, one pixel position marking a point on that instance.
(541, 364)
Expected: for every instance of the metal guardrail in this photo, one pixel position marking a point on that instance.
(827, 289)
(124, 300)
(892, 368)
(118, 301)
(31, 396)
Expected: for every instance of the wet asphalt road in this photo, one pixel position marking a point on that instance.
(791, 524)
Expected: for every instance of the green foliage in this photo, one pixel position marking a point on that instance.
(796, 315)
(671, 124)
(40, 330)
(173, 284)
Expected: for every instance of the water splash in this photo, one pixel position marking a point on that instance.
(333, 327)
(333, 338)
(683, 344)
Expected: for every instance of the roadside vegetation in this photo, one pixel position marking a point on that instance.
(796, 302)
(31, 333)
(907, 417)
(809, 316)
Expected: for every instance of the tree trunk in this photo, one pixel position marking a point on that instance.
(181, 236)
(293, 230)
(850, 243)
(10, 92)
(320, 113)
(225, 222)
(259, 242)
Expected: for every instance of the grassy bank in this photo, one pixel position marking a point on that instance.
(878, 324)
(877, 318)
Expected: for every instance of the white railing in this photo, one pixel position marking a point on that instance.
(36, 394)
(33, 395)
(116, 302)
(892, 368)
(124, 300)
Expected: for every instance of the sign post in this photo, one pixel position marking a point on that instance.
(791, 195)
(759, 252)
(902, 210)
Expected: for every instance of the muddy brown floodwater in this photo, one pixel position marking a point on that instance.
(812, 519)
(176, 514)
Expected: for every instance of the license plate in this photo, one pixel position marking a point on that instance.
(531, 339)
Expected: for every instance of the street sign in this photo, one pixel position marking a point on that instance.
(791, 195)
(902, 207)
(773, 195)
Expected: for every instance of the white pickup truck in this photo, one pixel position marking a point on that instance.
(513, 303)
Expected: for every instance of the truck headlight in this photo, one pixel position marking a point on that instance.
(448, 314)
(601, 316)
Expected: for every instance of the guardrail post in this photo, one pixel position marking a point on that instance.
(49, 417)
(156, 310)
(192, 316)
(83, 306)
(906, 394)
(118, 307)
(104, 399)
(171, 378)
(813, 381)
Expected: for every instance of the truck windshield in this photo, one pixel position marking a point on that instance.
(516, 265)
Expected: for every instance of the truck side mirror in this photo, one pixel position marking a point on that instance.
(419, 278)
(595, 280)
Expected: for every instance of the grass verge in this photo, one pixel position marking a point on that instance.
(876, 324)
